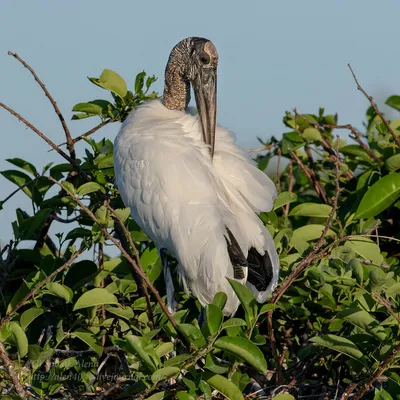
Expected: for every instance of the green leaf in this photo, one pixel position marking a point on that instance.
(89, 108)
(363, 320)
(357, 152)
(312, 135)
(214, 318)
(164, 373)
(366, 248)
(165, 348)
(394, 102)
(244, 349)
(184, 396)
(291, 141)
(393, 163)
(247, 300)
(141, 347)
(139, 81)
(111, 81)
(38, 356)
(310, 232)
(123, 213)
(311, 210)
(225, 387)
(229, 323)
(20, 338)
(61, 291)
(19, 162)
(205, 388)
(382, 394)
(284, 198)
(393, 290)
(192, 334)
(220, 299)
(357, 269)
(379, 196)
(268, 307)
(158, 396)
(177, 360)
(95, 297)
(123, 312)
(29, 315)
(89, 339)
(338, 344)
(283, 396)
(214, 366)
(20, 179)
(90, 187)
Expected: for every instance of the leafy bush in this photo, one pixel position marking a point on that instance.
(80, 319)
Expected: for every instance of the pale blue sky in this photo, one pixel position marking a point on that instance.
(274, 55)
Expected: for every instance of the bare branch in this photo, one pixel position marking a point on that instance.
(278, 172)
(9, 315)
(290, 188)
(17, 190)
(91, 131)
(70, 143)
(382, 367)
(47, 140)
(258, 149)
(316, 177)
(375, 107)
(310, 176)
(11, 371)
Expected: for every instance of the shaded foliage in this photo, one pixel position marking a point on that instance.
(88, 329)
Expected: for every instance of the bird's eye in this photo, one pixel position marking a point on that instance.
(205, 59)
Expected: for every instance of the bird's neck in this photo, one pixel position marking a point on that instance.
(176, 91)
(176, 86)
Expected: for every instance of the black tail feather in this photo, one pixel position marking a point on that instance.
(236, 256)
(260, 269)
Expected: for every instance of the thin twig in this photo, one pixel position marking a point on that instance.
(70, 143)
(290, 188)
(85, 353)
(91, 131)
(382, 367)
(8, 316)
(258, 149)
(375, 107)
(272, 340)
(325, 143)
(11, 372)
(17, 190)
(309, 174)
(130, 260)
(315, 173)
(100, 261)
(67, 221)
(386, 303)
(46, 139)
(278, 172)
(112, 389)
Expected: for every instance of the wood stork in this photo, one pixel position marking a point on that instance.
(192, 190)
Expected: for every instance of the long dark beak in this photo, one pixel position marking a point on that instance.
(205, 91)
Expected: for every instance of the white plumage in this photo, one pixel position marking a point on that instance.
(184, 201)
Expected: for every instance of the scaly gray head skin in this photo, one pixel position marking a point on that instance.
(194, 60)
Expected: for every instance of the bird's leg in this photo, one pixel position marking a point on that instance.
(169, 284)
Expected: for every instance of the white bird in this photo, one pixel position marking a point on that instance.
(192, 190)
